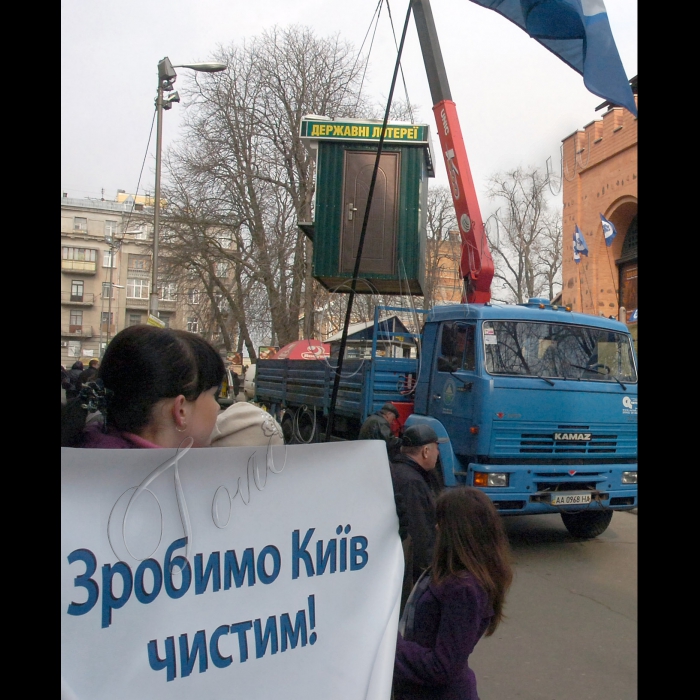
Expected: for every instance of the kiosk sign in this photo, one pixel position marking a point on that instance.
(350, 130)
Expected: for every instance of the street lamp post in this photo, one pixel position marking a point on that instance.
(113, 247)
(166, 78)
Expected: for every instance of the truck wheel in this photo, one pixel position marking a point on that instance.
(587, 524)
(288, 427)
(307, 426)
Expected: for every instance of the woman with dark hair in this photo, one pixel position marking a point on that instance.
(455, 602)
(155, 388)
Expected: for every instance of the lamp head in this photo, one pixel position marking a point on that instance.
(204, 67)
(166, 70)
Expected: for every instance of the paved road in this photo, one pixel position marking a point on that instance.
(571, 627)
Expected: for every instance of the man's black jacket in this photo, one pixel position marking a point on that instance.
(414, 484)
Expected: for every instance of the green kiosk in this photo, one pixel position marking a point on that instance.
(393, 257)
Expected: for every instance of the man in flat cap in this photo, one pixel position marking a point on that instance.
(410, 474)
(378, 427)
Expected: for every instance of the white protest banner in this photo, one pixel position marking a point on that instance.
(229, 573)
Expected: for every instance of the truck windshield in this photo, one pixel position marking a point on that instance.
(557, 350)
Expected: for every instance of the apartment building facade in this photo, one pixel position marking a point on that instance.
(106, 253)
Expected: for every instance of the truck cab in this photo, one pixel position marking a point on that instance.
(537, 406)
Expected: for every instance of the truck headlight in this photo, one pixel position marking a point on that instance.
(629, 477)
(490, 479)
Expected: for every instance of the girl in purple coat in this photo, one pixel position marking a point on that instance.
(455, 602)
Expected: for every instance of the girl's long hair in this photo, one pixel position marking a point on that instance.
(142, 365)
(471, 537)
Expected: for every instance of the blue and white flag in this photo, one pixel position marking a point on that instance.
(578, 32)
(580, 247)
(609, 231)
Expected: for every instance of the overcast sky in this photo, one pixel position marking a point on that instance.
(516, 101)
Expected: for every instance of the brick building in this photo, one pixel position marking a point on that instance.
(600, 177)
(445, 257)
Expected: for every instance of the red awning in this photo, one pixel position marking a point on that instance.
(306, 349)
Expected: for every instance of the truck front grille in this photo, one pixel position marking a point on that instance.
(544, 443)
(532, 439)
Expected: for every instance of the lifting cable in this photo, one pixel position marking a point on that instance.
(403, 77)
(356, 271)
(377, 12)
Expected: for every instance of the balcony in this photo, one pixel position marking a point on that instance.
(137, 303)
(166, 304)
(76, 331)
(139, 273)
(68, 299)
(81, 267)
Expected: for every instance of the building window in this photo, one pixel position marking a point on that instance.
(76, 320)
(135, 319)
(168, 291)
(193, 296)
(628, 286)
(141, 234)
(193, 325)
(73, 348)
(224, 239)
(165, 318)
(628, 268)
(109, 259)
(139, 262)
(76, 290)
(456, 348)
(80, 224)
(86, 254)
(222, 269)
(107, 318)
(105, 290)
(137, 289)
(221, 303)
(110, 229)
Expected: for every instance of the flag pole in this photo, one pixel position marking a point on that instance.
(612, 274)
(580, 290)
(588, 284)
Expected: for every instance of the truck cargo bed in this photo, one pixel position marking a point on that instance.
(364, 386)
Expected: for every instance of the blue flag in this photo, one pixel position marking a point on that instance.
(580, 247)
(578, 32)
(609, 231)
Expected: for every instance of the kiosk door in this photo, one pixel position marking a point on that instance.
(379, 250)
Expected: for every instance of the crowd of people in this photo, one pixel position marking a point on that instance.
(157, 387)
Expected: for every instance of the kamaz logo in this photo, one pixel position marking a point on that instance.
(573, 437)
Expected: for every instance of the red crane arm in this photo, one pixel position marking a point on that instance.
(476, 264)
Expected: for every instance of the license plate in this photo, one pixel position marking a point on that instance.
(570, 499)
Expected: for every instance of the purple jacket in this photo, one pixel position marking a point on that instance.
(450, 619)
(94, 438)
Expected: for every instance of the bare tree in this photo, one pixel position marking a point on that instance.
(243, 163)
(524, 235)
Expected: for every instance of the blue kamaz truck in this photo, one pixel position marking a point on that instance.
(534, 404)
